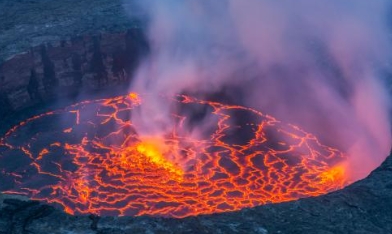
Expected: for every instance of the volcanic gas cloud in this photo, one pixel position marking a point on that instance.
(316, 64)
(238, 104)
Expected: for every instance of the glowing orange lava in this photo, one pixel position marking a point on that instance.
(89, 159)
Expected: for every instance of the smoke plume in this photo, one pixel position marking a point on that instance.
(316, 64)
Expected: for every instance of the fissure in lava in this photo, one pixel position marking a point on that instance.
(88, 158)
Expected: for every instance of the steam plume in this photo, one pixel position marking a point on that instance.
(317, 64)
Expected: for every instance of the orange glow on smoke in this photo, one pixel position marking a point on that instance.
(152, 151)
(95, 162)
(334, 175)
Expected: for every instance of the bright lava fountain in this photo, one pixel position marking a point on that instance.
(88, 158)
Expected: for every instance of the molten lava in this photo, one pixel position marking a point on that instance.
(89, 159)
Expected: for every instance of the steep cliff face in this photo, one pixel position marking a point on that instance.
(70, 67)
(62, 27)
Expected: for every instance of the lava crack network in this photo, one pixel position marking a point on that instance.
(88, 158)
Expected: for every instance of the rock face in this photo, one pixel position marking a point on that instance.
(74, 47)
(363, 207)
(69, 68)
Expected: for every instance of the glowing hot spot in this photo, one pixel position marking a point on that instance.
(134, 97)
(154, 151)
(334, 176)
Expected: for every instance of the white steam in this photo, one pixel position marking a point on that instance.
(316, 64)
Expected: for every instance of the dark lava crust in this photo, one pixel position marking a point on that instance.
(363, 207)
